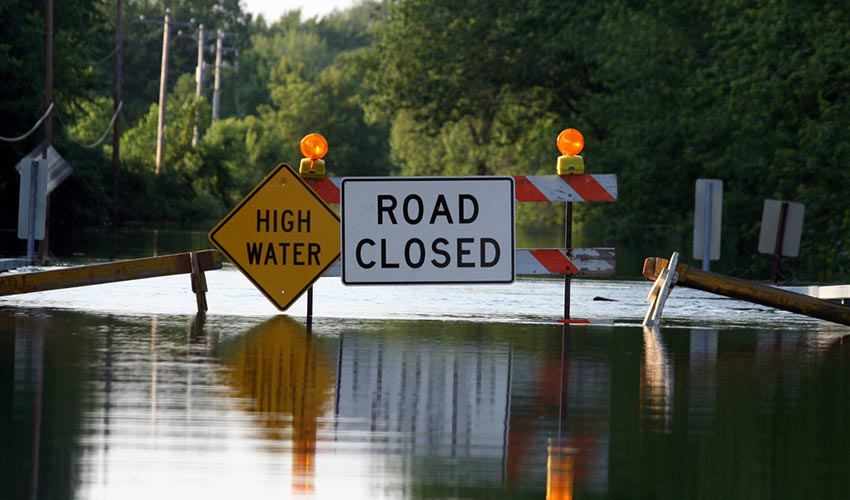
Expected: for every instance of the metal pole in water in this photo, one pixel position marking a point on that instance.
(568, 243)
(706, 244)
(310, 310)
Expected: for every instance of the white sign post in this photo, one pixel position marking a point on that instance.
(708, 214)
(428, 230)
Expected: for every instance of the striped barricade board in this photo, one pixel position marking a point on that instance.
(534, 189)
(528, 188)
(551, 262)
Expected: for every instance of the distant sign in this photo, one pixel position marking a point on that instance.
(50, 173)
(32, 199)
(57, 168)
(771, 219)
(282, 236)
(428, 230)
(708, 217)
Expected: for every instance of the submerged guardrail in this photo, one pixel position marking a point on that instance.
(194, 263)
(658, 269)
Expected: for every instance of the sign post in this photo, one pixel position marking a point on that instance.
(282, 236)
(708, 214)
(428, 230)
(32, 203)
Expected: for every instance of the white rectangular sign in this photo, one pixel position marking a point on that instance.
(26, 201)
(704, 207)
(792, 233)
(427, 230)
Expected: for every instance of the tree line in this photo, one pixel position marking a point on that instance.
(666, 92)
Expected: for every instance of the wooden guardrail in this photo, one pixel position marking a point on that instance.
(194, 263)
(751, 292)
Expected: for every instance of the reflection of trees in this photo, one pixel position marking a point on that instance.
(289, 384)
(43, 393)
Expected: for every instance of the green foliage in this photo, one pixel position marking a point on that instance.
(666, 92)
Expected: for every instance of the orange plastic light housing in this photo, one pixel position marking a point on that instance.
(570, 142)
(314, 146)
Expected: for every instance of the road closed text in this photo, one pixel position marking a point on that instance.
(428, 230)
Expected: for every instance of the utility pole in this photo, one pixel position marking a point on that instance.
(163, 83)
(219, 39)
(199, 80)
(116, 101)
(219, 67)
(48, 122)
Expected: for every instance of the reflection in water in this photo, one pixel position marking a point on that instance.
(41, 396)
(154, 362)
(179, 407)
(560, 470)
(438, 399)
(560, 457)
(289, 385)
(656, 379)
(29, 380)
(702, 379)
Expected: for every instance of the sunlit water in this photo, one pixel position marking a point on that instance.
(121, 391)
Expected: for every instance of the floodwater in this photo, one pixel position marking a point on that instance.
(122, 392)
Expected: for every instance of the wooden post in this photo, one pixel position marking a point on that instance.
(44, 243)
(116, 102)
(163, 94)
(750, 292)
(199, 283)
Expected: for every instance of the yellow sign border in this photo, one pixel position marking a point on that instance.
(271, 175)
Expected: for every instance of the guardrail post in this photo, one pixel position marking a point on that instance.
(199, 283)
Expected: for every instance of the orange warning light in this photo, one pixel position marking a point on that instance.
(570, 142)
(314, 146)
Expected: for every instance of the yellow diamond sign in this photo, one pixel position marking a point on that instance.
(282, 236)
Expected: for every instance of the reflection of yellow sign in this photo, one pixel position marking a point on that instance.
(282, 236)
(289, 384)
(560, 471)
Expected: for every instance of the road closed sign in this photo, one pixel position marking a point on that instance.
(424, 230)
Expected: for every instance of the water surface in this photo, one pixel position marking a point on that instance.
(121, 391)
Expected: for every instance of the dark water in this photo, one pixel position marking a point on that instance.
(115, 406)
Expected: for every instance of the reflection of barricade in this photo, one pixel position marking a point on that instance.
(538, 188)
(560, 470)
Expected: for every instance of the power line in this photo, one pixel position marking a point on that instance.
(108, 129)
(33, 129)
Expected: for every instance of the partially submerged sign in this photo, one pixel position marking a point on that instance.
(282, 236)
(428, 230)
(57, 168)
(781, 227)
